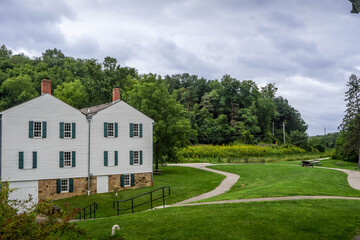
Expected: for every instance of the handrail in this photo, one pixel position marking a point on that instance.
(92, 207)
(116, 202)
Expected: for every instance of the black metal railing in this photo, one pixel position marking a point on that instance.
(91, 211)
(116, 203)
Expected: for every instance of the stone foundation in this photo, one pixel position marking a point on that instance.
(141, 180)
(47, 188)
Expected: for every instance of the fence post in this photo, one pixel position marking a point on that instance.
(132, 205)
(84, 214)
(151, 205)
(163, 197)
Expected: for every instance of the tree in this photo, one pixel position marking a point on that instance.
(16, 90)
(18, 219)
(73, 93)
(172, 127)
(350, 125)
(355, 6)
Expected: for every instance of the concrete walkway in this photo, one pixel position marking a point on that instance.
(225, 185)
(353, 177)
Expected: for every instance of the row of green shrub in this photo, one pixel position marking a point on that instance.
(214, 151)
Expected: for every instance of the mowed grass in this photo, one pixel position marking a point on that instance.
(184, 183)
(281, 180)
(296, 220)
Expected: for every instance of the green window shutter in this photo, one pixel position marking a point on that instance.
(131, 130)
(105, 158)
(122, 181)
(141, 158)
(61, 130)
(132, 179)
(116, 129)
(44, 129)
(61, 159)
(116, 158)
(31, 129)
(105, 129)
(58, 186)
(21, 160)
(140, 125)
(73, 159)
(73, 130)
(131, 157)
(71, 185)
(34, 160)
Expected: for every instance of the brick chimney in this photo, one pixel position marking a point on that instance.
(45, 86)
(116, 94)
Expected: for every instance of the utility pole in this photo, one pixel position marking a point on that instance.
(284, 132)
(324, 131)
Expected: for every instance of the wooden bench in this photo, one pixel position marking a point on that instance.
(307, 164)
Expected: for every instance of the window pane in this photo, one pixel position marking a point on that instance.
(67, 130)
(136, 130)
(110, 129)
(37, 129)
(136, 157)
(64, 185)
(127, 180)
(67, 159)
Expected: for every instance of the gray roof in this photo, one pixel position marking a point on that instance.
(93, 110)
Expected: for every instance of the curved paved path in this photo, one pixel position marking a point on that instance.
(225, 185)
(231, 179)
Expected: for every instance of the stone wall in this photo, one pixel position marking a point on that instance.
(141, 180)
(47, 188)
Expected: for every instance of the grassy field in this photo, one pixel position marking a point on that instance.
(184, 183)
(302, 219)
(282, 180)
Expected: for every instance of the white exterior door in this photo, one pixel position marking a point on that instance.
(102, 184)
(23, 190)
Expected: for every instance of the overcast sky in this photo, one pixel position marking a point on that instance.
(307, 48)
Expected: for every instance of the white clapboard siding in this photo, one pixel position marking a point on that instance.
(123, 114)
(15, 138)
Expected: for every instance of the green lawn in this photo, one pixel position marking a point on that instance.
(303, 219)
(282, 180)
(184, 182)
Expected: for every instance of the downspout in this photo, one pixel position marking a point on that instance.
(89, 131)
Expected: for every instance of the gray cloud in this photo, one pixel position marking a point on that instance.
(308, 48)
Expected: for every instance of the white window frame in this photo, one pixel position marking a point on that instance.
(64, 184)
(37, 130)
(136, 133)
(111, 133)
(136, 160)
(68, 131)
(67, 159)
(127, 180)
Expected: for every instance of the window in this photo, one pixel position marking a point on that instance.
(67, 130)
(64, 185)
(67, 159)
(136, 157)
(136, 130)
(126, 180)
(27, 164)
(37, 129)
(110, 129)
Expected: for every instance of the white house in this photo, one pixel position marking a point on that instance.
(50, 150)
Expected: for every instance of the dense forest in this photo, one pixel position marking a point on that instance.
(187, 109)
